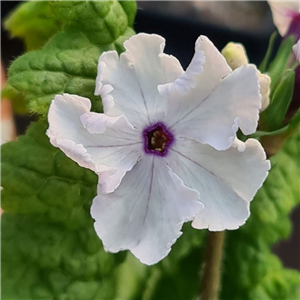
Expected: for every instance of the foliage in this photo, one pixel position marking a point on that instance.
(68, 61)
(33, 22)
(49, 247)
(47, 231)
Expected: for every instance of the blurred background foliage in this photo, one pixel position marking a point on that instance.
(49, 247)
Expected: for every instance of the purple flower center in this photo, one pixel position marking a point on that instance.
(157, 139)
(294, 28)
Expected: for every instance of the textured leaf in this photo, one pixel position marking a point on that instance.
(34, 22)
(101, 22)
(68, 62)
(39, 179)
(49, 247)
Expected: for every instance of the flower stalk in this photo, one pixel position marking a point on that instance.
(212, 266)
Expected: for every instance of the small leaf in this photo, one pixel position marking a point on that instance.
(272, 118)
(278, 65)
(264, 64)
(285, 131)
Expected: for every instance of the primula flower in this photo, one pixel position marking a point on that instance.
(286, 17)
(165, 148)
(236, 56)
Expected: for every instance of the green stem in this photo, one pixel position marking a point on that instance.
(212, 266)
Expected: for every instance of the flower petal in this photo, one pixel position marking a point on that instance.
(146, 212)
(128, 85)
(226, 180)
(296, 50)
(204, 73)
(283, 13)
(234, 103)
(108, 146)
(264, 83)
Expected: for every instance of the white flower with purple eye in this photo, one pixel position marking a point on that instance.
(286, 17)
(165, 148)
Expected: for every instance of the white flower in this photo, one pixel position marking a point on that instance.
(236, 56)
(286, 17)
(296, 50)
(165, 148)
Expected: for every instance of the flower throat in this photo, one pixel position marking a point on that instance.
(157, 139)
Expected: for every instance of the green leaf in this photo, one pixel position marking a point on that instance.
(68, 62)
(278, 65)
(272, 118)
(131, 276)
(39, 179)
(101, 22)
(17, 100)
(264, 64)
(283, 132)
(285, 282)
(294, 123)
(49, 247)
(34, 23)
(41, 260)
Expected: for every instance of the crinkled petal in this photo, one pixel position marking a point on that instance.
(128, 85)
(296, 50)
(146, 212)
(233, 104)
(283, 13)
(226, 180)
(110, 146)
(204, 73)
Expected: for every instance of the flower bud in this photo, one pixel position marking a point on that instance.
(264, 81)
(235, 55)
